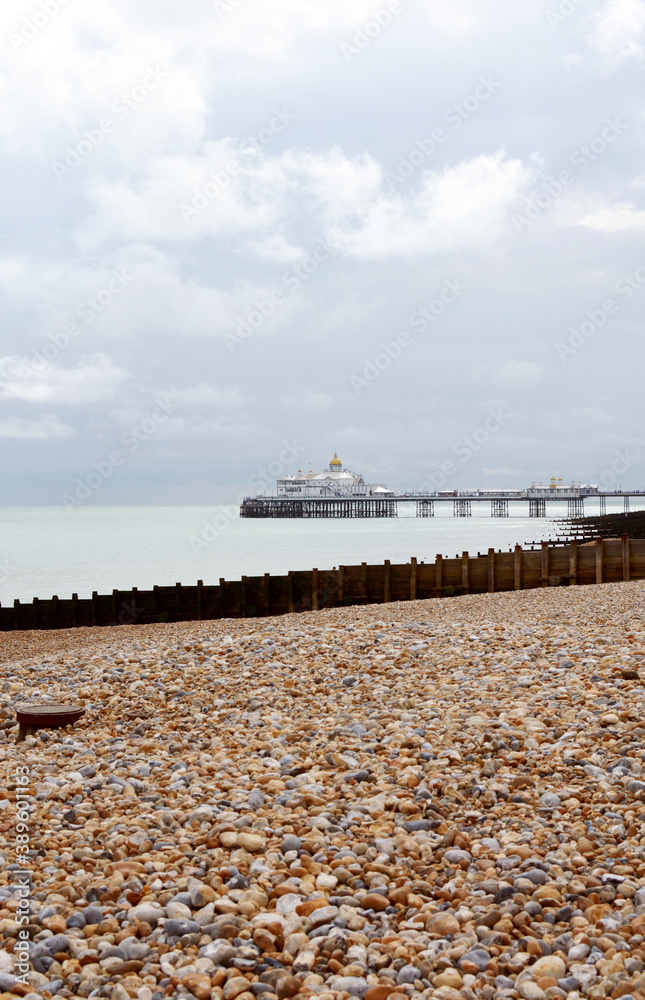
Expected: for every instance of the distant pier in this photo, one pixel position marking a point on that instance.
(531, 503)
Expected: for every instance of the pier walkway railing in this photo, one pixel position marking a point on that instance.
(550, 565)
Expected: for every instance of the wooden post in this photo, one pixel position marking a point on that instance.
(200, 589)
(95, 608)
(75, 610)
(314, 590)
(465, 572)
(115, 606)
(364, 581)
(36, 613)
(16, 614)
(245, 596)
(414, 577)
(341, 584)
(545, 564)
(491, 571)
(180, 603)
(55, 612)
(517, 568)
(438, 575)
(222, 597)
(290, 600)
(267, 592)
(627, 569)
(573, 563)
(599, 560)
(387, 582)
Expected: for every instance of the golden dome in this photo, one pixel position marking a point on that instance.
(335, 462)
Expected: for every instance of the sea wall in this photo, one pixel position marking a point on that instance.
(607, 560)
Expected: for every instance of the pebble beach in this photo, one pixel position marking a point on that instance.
(432, 799)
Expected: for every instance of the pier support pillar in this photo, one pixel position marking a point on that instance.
(626, 505)
(537, 508)
(576, 507)
(499, 508)
(462, 508)
(425, 508)
(603, 506)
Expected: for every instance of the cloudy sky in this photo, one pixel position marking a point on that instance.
(239, 235)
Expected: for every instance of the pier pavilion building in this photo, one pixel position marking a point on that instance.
(334, 481)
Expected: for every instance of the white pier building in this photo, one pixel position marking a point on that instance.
(335, 481)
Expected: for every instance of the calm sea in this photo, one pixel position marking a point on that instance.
(50, 550)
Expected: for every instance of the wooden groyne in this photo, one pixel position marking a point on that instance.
(551, 565)
(585, 529)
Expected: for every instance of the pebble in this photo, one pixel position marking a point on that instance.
(421, 799)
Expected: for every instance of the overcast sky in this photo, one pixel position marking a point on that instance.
(240, 235)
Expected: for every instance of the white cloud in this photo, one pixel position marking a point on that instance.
(464, 208)
(95, 379)
(619, 218)
(520, 372)
(617, 32)
(227, 188)
(46, 429)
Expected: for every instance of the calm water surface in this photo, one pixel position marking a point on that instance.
(49, 550)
